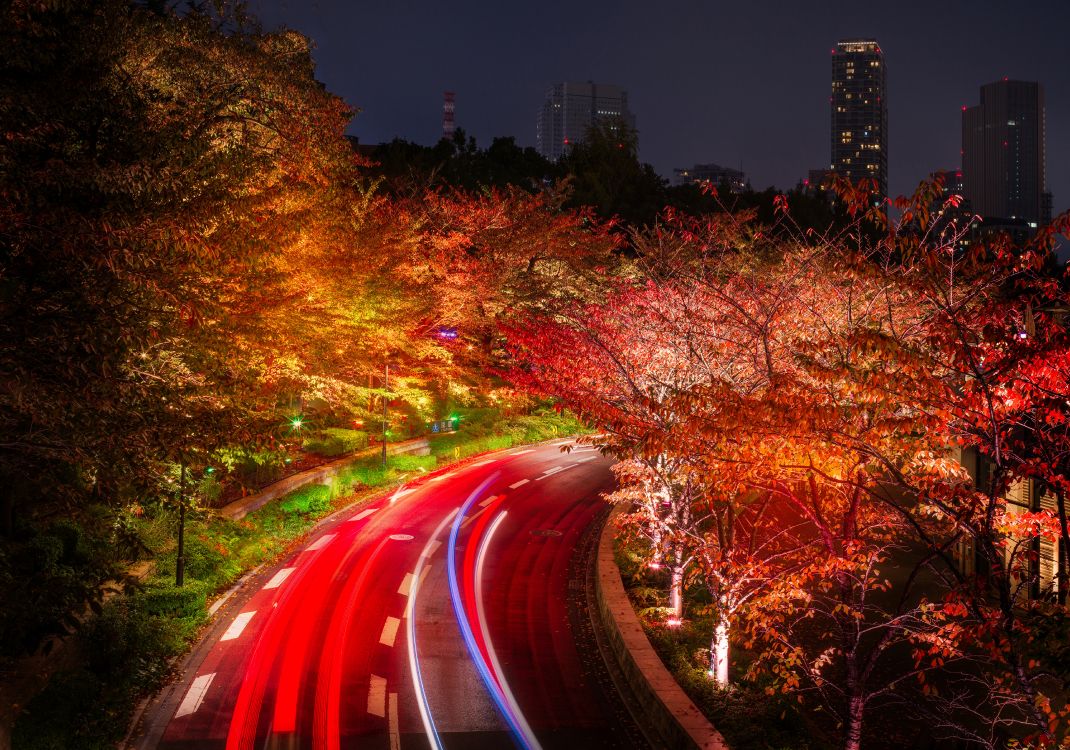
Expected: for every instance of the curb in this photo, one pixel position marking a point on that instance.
(667, 709)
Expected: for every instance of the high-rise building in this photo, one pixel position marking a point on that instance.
(571, 109)
(713, 174)
(1003, 152)
(859, 112)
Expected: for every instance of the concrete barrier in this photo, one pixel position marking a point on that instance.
(672, 715)
(319, 475)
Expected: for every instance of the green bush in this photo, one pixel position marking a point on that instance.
(311, 499)
(336, 441)
(165, 600)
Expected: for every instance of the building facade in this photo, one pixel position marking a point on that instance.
(714, 174)
(859, 112)
(1003, 152)
(569, 111)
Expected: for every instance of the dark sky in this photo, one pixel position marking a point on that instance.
(727, 82)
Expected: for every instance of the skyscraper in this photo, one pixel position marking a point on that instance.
(571, 109)
(859, 112)
(1003, 152)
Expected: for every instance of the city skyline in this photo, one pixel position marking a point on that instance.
(737, 86)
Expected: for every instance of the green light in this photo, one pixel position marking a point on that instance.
(209, 470)
(296, 423)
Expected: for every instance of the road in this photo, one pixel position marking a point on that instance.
(452, 614)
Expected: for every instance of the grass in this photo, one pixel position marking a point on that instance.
(129, 650)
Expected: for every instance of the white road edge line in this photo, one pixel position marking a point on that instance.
(521, 483)
(390, 631)
(486, 462)
(237, 626)
(195, 695)
(278, 578)
(521, 453)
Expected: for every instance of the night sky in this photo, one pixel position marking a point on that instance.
(740, 83)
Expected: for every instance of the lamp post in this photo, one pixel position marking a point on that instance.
(180, 559)
(386, 385)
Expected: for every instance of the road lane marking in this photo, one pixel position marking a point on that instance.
(472, 517)
(441, 477)
(363, 514)
(390, 631)
(521, 483)
(406, 584)
(237, 626)
(278, 578)
(551, 472)
(489, 500)
(377, 696)
(521, 453)
(320, 543)
(589, 458)
(402, 492)
(423, 576)
(195, 695)
(392, 722)
(430, 549)
(485, 462)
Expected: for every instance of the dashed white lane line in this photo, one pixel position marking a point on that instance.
(392, 722)
(521, 453)
(377, 696)
(474, 516)
(409, 577)
(363, 514)
(400, 494)
(237, 626)
(521, 483)
(589, 458)
(489, 500)
(551, 472)
(320, 543)
(278, 578)
(440, 477)
(406, 585)
(390, 631)
(195, 695)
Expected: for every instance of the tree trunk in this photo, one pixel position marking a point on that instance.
(852, 738)
(719, 653)
(1062, 579)
(676, 591)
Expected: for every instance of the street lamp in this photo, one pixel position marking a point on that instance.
(386, 385)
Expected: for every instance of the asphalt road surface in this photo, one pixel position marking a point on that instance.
(452, 614)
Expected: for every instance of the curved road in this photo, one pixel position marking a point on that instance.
(449, 615)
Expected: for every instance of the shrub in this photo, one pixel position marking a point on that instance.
(313, 498)
(336, 441)
(165, 600)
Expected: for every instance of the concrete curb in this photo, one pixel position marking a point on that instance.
(319, 475)
(674, 717)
